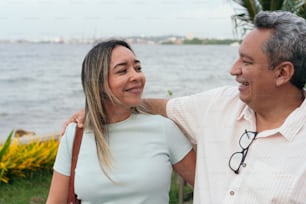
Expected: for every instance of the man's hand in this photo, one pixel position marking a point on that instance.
(78, 118)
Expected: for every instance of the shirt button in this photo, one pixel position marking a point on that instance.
(244, 165)
(232, 193)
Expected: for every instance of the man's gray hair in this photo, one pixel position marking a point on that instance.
(288, 41)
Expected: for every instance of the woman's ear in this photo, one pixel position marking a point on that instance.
(284, 72)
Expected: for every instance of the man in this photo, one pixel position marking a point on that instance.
(251, 139)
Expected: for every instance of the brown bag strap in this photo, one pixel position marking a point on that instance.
(72, 198)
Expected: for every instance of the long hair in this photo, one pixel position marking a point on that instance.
(95, 72)
(287, 43)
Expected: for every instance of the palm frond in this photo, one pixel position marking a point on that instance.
(293, 6)
(247, 10)
(250, 8)
(245, 13)
(273, 5)
(302, 11)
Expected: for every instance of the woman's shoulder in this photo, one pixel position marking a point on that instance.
(69, 132)
(70, 128)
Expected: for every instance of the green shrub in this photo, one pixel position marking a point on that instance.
(17, 158)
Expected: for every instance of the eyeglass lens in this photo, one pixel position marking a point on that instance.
(246, 139)
(236, 160)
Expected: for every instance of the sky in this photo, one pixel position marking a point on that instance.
(48, 19)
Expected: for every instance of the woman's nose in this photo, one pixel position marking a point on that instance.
(135, 75)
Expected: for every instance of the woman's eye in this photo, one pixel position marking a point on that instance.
(123, 71)
(138, 69)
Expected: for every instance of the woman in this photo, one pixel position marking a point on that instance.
(126, 156)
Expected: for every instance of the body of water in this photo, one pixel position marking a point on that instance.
(40, 84)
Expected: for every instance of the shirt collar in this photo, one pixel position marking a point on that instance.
(246, 113)
(294, 122)
(289, 129)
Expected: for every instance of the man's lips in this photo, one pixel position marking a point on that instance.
(243, 82)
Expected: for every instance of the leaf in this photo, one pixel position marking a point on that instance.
(302, 11)
(6, 145)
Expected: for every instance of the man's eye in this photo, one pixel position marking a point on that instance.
(246, 62)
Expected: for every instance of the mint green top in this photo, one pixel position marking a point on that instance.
(144, 148)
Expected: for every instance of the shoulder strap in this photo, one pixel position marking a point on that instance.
(75, 153)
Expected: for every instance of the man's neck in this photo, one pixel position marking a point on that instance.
(273, 115)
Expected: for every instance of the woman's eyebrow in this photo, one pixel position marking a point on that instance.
(124, 63)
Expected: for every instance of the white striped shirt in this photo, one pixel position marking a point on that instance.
(275, 166)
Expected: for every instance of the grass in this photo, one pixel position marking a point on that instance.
(174, 192)
(34, 188)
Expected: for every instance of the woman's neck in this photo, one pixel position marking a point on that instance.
(117, 113)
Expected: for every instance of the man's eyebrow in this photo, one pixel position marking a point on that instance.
(243, 55)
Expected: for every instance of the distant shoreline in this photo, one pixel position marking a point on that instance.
(159, 40)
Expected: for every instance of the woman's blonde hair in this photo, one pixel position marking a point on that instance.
(95, 72)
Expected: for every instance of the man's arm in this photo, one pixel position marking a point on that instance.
(155, 106)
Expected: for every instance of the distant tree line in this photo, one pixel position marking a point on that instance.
(200, 41)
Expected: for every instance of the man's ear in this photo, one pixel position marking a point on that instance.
(284, 72)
